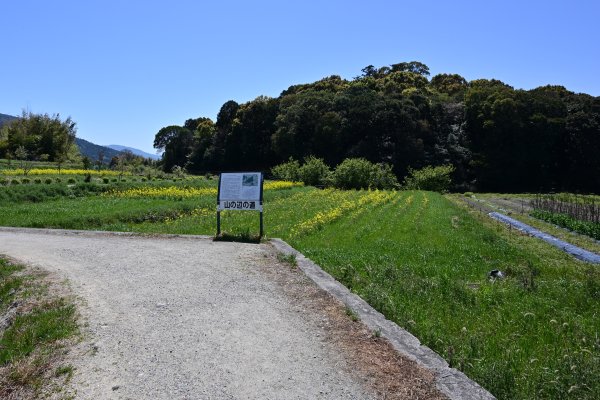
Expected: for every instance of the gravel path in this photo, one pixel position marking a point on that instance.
(186, 318)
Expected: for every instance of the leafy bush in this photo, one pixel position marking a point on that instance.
(435, 179)
(37, 180)
(25, 181)
(382, 177)
(178, 171)
(4, 182)
(352, 173)
(14, 182)
(314, 172)
(71, 180)
(358, 173)
(288, 171)
(105, 180)
(48, 181)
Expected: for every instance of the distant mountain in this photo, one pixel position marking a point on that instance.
(92, 151)
(5, 118)
(135, 151)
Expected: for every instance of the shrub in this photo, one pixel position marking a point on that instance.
(88, 178)
(435, 179)
(71, 180)
(4, 182)
(37, 180)
(14, 182)
(105, 180)
(358, 173)
(382, 177)
(25, 181)
(143, 179)
(58, 180)
(178, 171)
(314, 172)
(288, 171)
(352, 173)
(48, 181)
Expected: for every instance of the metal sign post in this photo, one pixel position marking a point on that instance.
(240, 191)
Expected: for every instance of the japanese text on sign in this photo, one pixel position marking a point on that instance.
(240, 191)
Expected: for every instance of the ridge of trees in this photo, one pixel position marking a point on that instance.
(496, 138)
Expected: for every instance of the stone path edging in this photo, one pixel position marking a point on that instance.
(453, 383)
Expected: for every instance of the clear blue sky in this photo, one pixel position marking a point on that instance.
(124, 69)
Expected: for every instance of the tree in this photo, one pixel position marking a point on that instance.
(41, 134)
(177, 143)
(200, 159)
(450, 84)
(412, 66)
(87, 162)
(165, 135)
(22, 155)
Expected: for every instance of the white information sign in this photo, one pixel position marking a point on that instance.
(240, 191)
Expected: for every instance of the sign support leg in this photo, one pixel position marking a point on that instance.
(261, 224)
(218, 223)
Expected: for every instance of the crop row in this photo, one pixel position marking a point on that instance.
(581, 208)
(51, 171)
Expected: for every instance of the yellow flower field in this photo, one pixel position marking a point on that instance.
(186, 192)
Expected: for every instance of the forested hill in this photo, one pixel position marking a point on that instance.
(497, 137)
(4, 119)
(96, 152)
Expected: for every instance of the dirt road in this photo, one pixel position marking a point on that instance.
(189, 318)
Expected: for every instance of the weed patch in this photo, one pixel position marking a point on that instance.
(30, 343)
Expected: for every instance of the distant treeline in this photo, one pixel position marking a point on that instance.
(497, 138)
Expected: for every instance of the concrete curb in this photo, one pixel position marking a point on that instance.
(450, 381)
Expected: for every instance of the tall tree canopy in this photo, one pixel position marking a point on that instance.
(496, 138)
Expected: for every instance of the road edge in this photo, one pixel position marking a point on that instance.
(450, 381)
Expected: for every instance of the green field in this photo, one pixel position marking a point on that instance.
(420, 258)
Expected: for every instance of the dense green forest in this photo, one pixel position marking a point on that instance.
(497, 138)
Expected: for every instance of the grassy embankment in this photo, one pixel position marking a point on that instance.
(38, 324)
(419, 258)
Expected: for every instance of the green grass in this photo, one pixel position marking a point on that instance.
(31, 342)
(46, 324)
(422, 260)
(9, 284)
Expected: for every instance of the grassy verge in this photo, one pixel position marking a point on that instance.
(37, 326)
